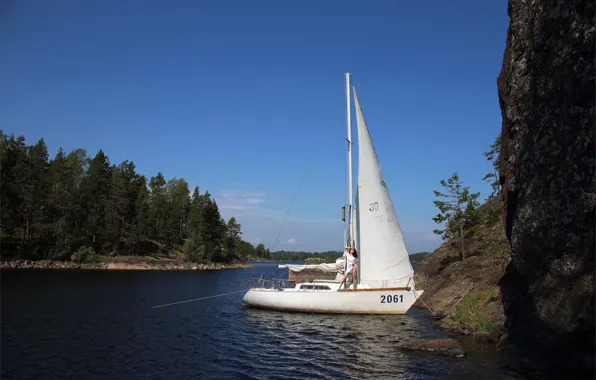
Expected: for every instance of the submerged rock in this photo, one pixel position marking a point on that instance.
(503, 343)
(547, 165)
(446, 347)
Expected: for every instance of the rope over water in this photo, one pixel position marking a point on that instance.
(199, 299)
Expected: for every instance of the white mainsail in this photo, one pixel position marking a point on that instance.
(384, 259)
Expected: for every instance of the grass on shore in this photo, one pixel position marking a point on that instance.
(471, 313)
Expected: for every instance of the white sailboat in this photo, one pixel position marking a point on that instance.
(385, 283)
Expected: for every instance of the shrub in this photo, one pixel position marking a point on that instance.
(83, 255)
(192, 251)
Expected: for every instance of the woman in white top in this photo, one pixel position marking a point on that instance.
(351, 266)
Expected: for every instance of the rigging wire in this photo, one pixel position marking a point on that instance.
(302, 177)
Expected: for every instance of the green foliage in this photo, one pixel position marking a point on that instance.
(193, 251)
(325, 257)
(487, 229)
(233, 233)
(83, 255)
(51, 208)
(213, 230)
(457, 210)
(493, 177)
(314, 261)
(418, 256)
(261, 252)
(244, 249)
(470, 314)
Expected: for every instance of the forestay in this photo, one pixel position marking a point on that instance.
(384, 260)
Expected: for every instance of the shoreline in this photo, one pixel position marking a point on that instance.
(121, 263)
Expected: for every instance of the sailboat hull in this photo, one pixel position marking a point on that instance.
(366, 301)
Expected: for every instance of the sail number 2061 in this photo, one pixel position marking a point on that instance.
(395, 298)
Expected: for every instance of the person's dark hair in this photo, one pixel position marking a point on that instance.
(355, 254)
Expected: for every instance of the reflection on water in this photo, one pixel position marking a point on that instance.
(355, 346)
(101, 325)
(338, 346)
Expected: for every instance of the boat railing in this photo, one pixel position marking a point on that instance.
(270, 283)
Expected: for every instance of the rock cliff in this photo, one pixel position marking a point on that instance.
(466, 292)
(547, 97)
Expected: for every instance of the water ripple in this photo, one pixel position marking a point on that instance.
(100, 325)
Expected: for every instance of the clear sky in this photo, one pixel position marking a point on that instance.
(246, 98)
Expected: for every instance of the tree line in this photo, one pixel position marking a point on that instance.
(458, 205)
(327, 256)
(74, 206)
(322, 257)
(418, 256)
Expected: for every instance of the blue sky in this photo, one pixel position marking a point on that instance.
(246, 99)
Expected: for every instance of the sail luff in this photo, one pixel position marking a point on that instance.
(384, 256)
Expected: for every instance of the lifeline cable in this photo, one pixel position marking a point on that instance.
(199, 299)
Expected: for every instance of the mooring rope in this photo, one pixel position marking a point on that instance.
(199, 299)
(423, 303)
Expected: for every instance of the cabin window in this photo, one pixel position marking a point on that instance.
(315, 287)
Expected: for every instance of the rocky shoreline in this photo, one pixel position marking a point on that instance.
(119, 265)
(464, 295)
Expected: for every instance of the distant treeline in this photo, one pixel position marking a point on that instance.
(418, 256)
(323, 257)
(327, 257)
(74, 206)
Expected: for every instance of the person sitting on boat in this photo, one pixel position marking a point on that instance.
(351, 266)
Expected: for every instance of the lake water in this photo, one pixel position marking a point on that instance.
(66, 324)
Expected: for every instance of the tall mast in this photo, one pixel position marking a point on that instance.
(350, 180)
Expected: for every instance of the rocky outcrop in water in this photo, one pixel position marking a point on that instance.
(445, 347)
(547, 98)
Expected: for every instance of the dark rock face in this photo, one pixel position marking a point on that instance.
(547, 98)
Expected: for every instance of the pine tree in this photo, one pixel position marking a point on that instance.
(77, 165)
(57, 212)
(176, 215)
(493, 156)
(158, 204)
(13, 158)
(96, 189)
(195, 215)
(244, 249)
(212, 229)
(261, 252)
(233, 233)
(141, 224)
(36, 187)
(131, 181)
(457, 210)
